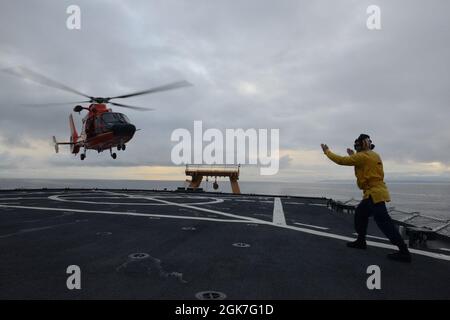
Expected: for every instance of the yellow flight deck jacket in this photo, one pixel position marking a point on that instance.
(369, 173)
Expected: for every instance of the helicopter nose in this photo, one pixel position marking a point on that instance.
(124, 129)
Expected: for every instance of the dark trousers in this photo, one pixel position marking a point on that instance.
(367, 208)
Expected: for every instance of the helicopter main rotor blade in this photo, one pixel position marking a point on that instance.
(170, 86)
(25, 73)
(51, 104)
(130, 107)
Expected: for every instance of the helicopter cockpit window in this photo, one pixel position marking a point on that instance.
(112, 118)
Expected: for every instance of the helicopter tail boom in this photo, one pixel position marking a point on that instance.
(57, 144)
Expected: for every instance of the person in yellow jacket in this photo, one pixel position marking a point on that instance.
(370, 178)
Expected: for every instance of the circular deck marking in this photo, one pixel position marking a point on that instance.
(139, 255)
(196, 216)
(210, 295)
(241, 245)
(64, 199)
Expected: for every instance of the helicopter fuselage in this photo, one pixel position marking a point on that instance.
(102, 129)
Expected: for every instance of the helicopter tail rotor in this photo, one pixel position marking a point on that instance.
(56, 144)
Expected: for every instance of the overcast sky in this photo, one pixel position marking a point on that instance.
(309, 68)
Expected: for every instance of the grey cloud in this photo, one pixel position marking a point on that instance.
(321, 75)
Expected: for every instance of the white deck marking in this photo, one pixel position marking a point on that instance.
(278, 213)
(90, 197)
(27, 193)
(369, 243)
(444, 249)
(243, 220)
(373, 237)
(137, 214)
(240, 219)
(310, 225)
(314, 232)
(188, 206)
(58, 198)
(24, 198)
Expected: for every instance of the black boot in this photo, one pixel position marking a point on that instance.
(357, 244)
(402, 255)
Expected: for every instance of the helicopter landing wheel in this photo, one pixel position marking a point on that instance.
(82, 156)
(119, 147)
(123, 147)
(114, 155)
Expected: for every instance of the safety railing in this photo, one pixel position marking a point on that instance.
(412, 219)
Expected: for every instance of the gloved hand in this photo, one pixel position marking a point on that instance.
(324, 147)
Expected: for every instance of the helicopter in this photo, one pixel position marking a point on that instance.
(102, 128)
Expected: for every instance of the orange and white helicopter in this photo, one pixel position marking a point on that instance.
(102, 128)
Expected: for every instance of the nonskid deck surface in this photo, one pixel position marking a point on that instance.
(246, 247)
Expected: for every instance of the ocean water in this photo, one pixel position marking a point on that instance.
(428, 198)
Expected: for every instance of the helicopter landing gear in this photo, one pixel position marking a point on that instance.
(83, 155)
(113, 155)
(121, 147)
